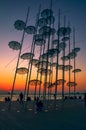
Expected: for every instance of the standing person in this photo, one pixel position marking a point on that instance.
(21, 97)
(40, 105)
(85, 98)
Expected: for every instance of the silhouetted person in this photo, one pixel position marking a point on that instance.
(21, 97)
(85, 98)
(54, 96)
(28, 98)
(39, 105)
(7, 99)
(35, 98)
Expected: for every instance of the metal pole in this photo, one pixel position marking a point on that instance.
(63, 74)
(57, 60)
(18, 60)
(69, 63)
(30, 63)
(74, 62)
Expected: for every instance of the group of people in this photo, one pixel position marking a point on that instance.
(39, 104)
(7, 99)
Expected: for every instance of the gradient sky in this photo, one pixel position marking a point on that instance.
(12, 10)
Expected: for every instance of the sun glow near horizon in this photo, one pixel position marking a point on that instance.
(9, 57)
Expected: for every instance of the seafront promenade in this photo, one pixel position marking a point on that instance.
(70, 117)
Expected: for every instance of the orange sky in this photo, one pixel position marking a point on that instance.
(8, 33)
(8, 76)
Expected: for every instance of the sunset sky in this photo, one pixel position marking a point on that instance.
(12, 10)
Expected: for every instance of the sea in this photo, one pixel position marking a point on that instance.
(15, 96)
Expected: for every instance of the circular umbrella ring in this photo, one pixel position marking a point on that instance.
(52, 52)
(22, 70)
(61, 67)
(60, 81)
(63, 31)
(65, 39)
(46, 13)
(27, 56)
(72, 55)
(68, 67)
(42, 64)
(44, 29)
(62, 46)
(65, 58)
(14, 45)
(50, 20)
(47, 31)
(71, 84)
(76, 70)
(19, 25)
(44, 71)
(35, 61)
(42, 22)
(35, 82)
(77, 49)
(39, 39)
(30, 30)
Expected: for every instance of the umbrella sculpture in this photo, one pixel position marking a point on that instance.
(53, 43)
(14, 45)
